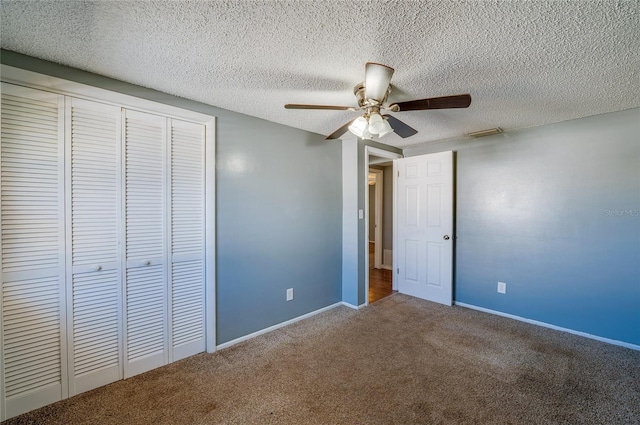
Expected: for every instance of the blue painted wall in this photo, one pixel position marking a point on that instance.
(553, 211)
(279, 210)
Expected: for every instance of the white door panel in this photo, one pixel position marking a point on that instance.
(33, 369)
(146, 243)
(93, 149)
(187, 239)
(425, 224)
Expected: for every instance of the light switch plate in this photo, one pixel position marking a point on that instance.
(360, 214)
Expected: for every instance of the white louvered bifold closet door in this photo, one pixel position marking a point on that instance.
(94, 272)
(146, 345)
(33, 366)
(187, 239)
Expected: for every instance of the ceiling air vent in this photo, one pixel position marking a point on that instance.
(487, 132)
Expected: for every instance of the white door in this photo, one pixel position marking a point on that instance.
(93, 256)
(424, 226)
(146, 215)
(32, 303)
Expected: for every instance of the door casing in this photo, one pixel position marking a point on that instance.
(375, 152)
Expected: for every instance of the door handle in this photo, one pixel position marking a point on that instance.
(445, 237)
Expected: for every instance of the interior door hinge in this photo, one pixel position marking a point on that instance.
(398, 271)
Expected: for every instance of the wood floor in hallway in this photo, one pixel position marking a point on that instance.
(380, 284)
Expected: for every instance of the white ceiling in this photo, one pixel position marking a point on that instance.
(524, 63)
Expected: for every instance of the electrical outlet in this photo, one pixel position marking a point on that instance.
(289, 294)
(502, 288)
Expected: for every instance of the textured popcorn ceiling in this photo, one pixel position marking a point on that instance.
(524, 63)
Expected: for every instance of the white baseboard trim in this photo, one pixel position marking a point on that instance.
(550, 326)
(386, 267)
(355, 307)
(274, 327)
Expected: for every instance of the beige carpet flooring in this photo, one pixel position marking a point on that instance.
(398, 361)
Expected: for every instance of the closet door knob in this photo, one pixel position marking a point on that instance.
(445, 237)
(98, 268)
(147, 263)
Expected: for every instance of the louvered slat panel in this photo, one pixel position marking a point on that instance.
(187, 238)
(144, 187)
(30, 184)
(187, 188)
(95, 231)
(188, 306)
(94, 184)
(145, 311)
(95, 332)
(31, 223)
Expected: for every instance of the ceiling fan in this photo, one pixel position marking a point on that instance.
(372, 97)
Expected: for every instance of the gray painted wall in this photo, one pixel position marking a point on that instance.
(553, 211)
(278, 210)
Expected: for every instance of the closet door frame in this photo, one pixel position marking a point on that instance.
(59, 86)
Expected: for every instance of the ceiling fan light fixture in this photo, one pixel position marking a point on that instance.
(376, 123)
(387, 129)
(359, 127)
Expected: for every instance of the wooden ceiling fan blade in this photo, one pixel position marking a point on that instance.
(401, 129)
(444, 102)
(376, 80)
(339, 132)
(326, 107)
